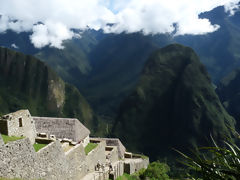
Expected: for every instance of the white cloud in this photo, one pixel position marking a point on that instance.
(51, 34)
(14, 46)
(51, 21)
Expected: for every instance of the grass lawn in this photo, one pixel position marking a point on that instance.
(37, 147)
(90, 147)
(7, 139)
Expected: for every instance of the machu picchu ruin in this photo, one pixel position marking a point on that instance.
(60, 148)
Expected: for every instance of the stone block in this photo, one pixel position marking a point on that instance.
(1, 141)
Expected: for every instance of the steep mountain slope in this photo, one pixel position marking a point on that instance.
(28, 83)
(116, 63)
(229, 93)
(18, 42)
(106, 67)
(72, 62)
(173, 106)
(219, 51)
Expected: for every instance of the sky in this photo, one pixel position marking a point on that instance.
(52, 21)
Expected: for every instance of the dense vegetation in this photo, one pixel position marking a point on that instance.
(27, 83)
(173, 106)
(229, 93)
(219, 51)
(217, 162)
(106, 67)
(155, 171)
(116, 63)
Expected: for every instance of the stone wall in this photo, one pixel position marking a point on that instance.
(18, 160)
(97, 154)
(62, 128)
(1, 141)
(20, 123)
(52, 162)
(112, 153)
(115, 142)
(86, 141)
(77, 162)
(3, 127)
(118, 170)
(133, 165)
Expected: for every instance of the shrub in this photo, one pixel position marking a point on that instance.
(211, 163)
(156, 171)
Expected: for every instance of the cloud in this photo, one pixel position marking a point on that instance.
(51, 34)
(14, 46)
(52, 21)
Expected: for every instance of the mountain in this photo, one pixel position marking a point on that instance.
(106, 67)
(218, 51)
(174, 105)
(26, 82)
(72, 62)
(116, 63)
(229, 93)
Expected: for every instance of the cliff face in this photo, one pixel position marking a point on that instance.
(173, 106)
(28, 83)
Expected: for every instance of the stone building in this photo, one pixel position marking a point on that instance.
(60, 158)
(18, 124)
(63, 128)
(115, 142)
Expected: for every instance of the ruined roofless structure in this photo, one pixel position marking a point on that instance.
(63, 128)
(20, 124)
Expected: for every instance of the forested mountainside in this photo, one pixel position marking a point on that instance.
(27, 83)
(229, 93)
(173, 106)
(106, 67)
(218, 51)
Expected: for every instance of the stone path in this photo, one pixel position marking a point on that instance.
(96, 175)
(99, 175)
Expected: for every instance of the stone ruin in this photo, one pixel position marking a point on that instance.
(62, 128)
(20, 124)
(64, 156)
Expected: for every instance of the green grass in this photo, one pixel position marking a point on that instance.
(7, 139)
(90, 147)
(37, 147)
(126, 177)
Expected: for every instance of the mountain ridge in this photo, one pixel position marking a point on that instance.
(173, 106)
(26, 82)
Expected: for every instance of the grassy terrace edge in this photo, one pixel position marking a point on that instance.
(37, 146)
(7, 139)
(90, 147)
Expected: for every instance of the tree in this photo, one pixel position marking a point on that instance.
(156, 171)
